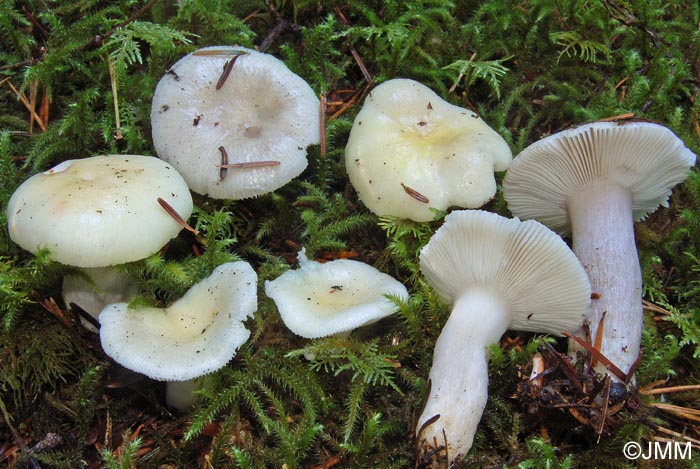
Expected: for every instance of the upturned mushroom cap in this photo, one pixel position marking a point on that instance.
(262, 113)
(497, 274)
(529, 266)
(406, 139)
(196, 335)
(99, 211)
(645, 158)
(319, 300)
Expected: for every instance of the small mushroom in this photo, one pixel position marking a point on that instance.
(409, 151)
(235, 122)
(593, 182)
(497, 274)
(196, 335)
(322, 299)
(99, 211)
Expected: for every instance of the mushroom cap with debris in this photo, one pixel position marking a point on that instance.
(196, 335)
(645, 158)
(262, 112)
(99, 211)
(322, 299)
(406, 141)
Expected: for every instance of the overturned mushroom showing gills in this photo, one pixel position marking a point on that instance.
(497, 274)
(99, 211)
(594, 182)
(335, 297)
(409, 151)
(196, 335)
(222, 106)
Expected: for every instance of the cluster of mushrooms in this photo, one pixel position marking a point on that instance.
(233, 123)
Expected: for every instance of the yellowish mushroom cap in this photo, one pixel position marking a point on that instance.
(409, 150)
(196, 335)
(99, 211)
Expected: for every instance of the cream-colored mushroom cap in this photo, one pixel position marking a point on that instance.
(645, 158)
(262, 114)
(407, 140)
(196, 335)
(321, 299)
(526, 264)
(99, 211)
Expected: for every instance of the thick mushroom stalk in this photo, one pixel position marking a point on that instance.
(95, 289)
(602, 228)
(457, 398)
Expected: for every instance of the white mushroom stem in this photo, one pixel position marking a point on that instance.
(459, 374)
(602, 225)
(180, 394)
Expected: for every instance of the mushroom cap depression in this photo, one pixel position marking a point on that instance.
(99, 211)
(262, 112)
(531, 267)
(407, 138)
(645, 158)
(319, 300)
(196, 335)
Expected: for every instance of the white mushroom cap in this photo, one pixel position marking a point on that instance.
(263, 112)
(321, 299)
(529, 266)
(406, 138)
(196, 335)
(99, 211)
(645, 158)
(97, 288)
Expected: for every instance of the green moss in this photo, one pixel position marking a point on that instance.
(528, 68)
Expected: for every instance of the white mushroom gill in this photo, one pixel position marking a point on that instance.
(322, 299)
